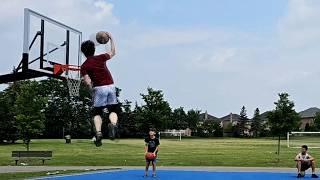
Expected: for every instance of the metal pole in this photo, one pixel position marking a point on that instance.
(67, 46)
(26, 31)
(25, 55)
(79, 50)
(279, 148)
(62, 132)
(42, 44)
(288, 136)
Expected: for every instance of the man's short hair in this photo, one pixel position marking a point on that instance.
(88, 48)
(305, 147)
(152, 129)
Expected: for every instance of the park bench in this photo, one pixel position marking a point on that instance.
(43, 155)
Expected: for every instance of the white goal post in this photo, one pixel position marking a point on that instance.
(171, 133)
(296, 139)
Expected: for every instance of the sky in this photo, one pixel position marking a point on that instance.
(210, 55)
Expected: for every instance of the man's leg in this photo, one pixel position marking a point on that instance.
(113, 105)
(100, 97)
(313, 166)
(113, 109)
(299, 169)
(97, 122)
(147, 168)
(113, 117)
(299, 166)
(98, 111)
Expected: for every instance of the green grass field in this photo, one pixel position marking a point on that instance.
(188, 152)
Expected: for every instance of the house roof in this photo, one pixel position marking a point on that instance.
(209, 117)
(311, 112)
(264, 115)
(235, 117)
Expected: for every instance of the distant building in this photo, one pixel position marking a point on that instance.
(205, 117)
(230, 119)
(307, 117)
(226, 122)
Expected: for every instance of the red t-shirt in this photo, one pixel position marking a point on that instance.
(96, 68)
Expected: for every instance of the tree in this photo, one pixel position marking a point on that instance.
(28, 108)
(178, 119)
(209, 128)
(193, 118)
(235, 129)
(307, 128)
(58, 110)
(218, 130)
(64, 114)
(8, 130)
(243, 121)
(154, 113)
(283, 118)
(256, 126)
(316, 123)
(127, 121)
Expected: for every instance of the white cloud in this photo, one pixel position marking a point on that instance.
(105, 12)
(74, 12)
(165, 37)
(300, 27)
(218, 60)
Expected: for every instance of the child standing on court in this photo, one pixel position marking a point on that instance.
(151, 146)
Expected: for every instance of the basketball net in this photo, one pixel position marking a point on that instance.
(72, 75)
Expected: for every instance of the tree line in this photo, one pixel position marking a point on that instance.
(44, 109)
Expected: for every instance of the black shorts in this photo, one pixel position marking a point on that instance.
(305, 165)
(111, 108)
(149, 160)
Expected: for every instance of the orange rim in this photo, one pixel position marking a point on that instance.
(60, 68)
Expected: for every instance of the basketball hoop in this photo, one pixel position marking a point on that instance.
(72, 74)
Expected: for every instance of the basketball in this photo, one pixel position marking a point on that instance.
(102, 37)
(150, 156)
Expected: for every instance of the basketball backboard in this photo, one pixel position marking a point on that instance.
(46, 42)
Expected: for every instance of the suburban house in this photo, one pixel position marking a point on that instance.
(230, 119)
(307, 117)
(226, 122)
(207, 117)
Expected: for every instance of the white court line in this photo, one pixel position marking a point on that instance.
(78, 174)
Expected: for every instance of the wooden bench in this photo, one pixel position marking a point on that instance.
(43, 155)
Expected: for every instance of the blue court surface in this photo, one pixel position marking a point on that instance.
(178, 175)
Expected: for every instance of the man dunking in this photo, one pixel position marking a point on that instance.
(97, 76)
